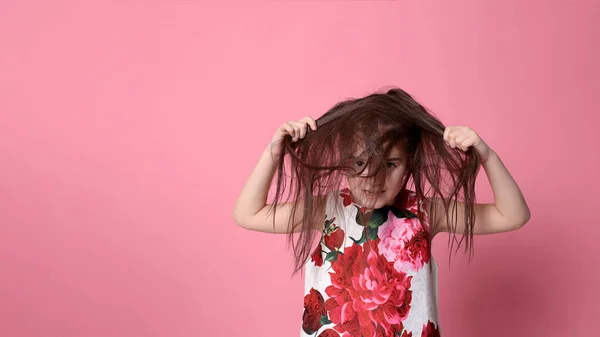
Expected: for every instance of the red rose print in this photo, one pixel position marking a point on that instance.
(345, 194)
(314, 308)
(429, 330)
(411, 204)
(317, 257)
(367, 296)
(335, 239)
(404, 243)
(418, 247)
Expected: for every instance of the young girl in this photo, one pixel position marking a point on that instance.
(374, 180)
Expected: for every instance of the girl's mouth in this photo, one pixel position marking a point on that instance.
(373, 192)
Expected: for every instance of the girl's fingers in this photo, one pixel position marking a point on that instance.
(311, 122)
(463, 145)
(297, 129)
(466, 144)
(455, 137)
(301, 129)
(461, 137)
(450, 137)
(290, 129)
(447, 133)
(450, 134)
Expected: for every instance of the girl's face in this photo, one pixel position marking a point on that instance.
(365, 194)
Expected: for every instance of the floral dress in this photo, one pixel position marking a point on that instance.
(373, 279)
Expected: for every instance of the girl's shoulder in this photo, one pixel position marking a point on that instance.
(417, 205)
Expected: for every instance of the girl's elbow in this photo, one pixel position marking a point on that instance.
(523, 219)
(239, 220)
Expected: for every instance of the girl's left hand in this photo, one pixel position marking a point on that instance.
(463, 138)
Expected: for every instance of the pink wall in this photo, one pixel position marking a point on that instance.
(127, 129)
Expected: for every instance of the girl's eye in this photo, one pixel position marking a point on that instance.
(390, 165)
(359, 163)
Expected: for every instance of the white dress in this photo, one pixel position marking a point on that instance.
(376, 279)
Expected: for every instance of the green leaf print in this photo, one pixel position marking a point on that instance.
(371, 233)
(378, 218)
(362, 239)
(325, 320)
(402, 213)
(328, 223)
(331, 256)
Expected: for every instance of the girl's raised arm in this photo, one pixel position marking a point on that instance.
(251, 210)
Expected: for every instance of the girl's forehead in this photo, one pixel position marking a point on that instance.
(396, 150)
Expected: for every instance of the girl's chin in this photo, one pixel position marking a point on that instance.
(372, 203)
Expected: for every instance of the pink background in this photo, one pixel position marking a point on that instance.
(127, 129)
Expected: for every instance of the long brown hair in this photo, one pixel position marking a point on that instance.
(317, 164)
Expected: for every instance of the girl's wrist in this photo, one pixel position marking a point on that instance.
(274, 149)
(492, 155)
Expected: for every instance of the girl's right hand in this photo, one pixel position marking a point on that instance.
(296, 129)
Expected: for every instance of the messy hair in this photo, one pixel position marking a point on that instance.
(317, 164)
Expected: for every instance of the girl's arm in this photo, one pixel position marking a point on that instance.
(251, 210)
(509, 210)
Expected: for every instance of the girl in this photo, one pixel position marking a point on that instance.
(375, 179)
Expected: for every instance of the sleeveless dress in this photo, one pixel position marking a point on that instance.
(375, 279)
